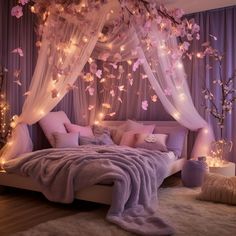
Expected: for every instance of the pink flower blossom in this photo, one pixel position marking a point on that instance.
(178, 13)
(145, 105)
(99, 74)
(19, 51)
(131, 81)
(137, 63)
(189, 37)
(93, 68)
(23, 2)
(91, 91)
(167, 92)
(195, 28)
(17, 11)
(90, 107)
(158, 19)
(184, 46)
(112, 92)
(113, 65)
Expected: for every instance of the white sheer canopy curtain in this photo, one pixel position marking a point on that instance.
(168, 79)
(66, 45)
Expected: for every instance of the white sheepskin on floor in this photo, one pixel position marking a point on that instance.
(178, 205)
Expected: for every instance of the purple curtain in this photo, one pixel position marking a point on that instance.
(220, 23)
(136, 90)
(16, 33)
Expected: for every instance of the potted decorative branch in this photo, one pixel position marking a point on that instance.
(220, 110)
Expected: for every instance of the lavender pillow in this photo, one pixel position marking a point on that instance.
(53, 122)
(68, 140)
(103, 139)
(99, 130)
(83, 140)
(151, 141)
(85, 131)
(175, 141)
(176, 138)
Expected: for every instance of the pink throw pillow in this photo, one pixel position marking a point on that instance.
(151, 141)
(53, 122)
(128, 138)
(85, 131)
(68, 140)
(117, 133)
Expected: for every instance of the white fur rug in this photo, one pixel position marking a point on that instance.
(190, 217)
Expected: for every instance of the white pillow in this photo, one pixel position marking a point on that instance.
(151, 141)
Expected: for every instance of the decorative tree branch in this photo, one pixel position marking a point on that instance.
(224, 107)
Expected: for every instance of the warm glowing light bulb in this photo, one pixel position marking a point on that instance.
(90, 60)
(101, 115)
(129, 62)
(179, 65)
(182, 97)
(176, 115)
(13, 124)
(122, 48)
(85, 39)
(32, 9)
(41, 112)
(206, 131)
(96, 122)
(10, 143)
(2, 162)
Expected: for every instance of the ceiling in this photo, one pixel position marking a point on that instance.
(190, 6)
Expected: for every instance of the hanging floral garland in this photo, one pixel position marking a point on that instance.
(146, 13)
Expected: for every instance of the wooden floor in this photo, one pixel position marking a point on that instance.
(21, 209)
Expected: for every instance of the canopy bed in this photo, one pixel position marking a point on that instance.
(68, 41)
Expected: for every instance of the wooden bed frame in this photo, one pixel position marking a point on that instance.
(97, 193)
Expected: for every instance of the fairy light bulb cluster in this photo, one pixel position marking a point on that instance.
(4, 108)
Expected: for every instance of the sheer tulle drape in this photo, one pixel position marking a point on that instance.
(173, 91)
(47, 87)
(170, 86)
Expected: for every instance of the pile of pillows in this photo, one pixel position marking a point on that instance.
(137, 135)
(61, 133)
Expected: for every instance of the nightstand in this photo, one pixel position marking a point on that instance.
(226, 169)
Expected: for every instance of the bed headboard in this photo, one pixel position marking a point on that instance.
(160, 125)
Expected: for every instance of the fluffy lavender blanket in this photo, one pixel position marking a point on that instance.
(136, 174)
